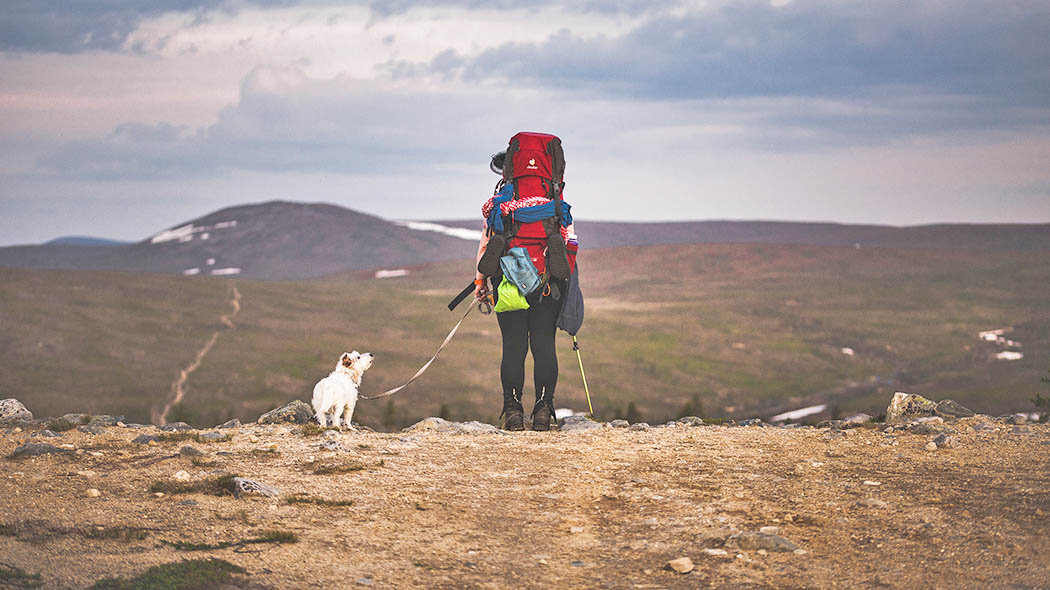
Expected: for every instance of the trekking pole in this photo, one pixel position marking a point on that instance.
(576, 347)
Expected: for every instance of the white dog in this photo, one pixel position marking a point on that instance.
(337, 393)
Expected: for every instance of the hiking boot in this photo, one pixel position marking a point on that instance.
(489, 263)
(541, 417)
(557, 259)
(513, 419)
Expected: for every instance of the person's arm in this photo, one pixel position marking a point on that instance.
(480, 286)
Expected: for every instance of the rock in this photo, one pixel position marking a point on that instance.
(475, 427)
(873, 503)
(188, 451)
(35, 449)
(92, 493)
(925, 429)
(951, 409)
(91, 429)
(869, 482)
(12, 410)
(295, 412)
(49, 433)
(619, 423)
(856, 420)
(145, 439)
(691, 421)
(363, 581)
(769, 530)
(682, 565)
(331, 445)
(181, 476)
(907, 406)
(715, 552)
(1016, 419)
(929, 420)
(752, 541)
(188, 503)
(86, 473)
(752, 422)
(172, 426)
(943, 441)
(249, 486)
(641, 426)
(578, 424)
(435, 424)
(212, 436)
(931, 446)
(230, 424)
(984, 427)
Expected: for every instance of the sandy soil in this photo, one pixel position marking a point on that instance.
(602, 509)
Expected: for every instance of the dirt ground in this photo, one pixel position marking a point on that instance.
(598, 509)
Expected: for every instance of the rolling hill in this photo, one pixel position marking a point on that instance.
(731, 330)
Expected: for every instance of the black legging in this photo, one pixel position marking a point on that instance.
(536, 327)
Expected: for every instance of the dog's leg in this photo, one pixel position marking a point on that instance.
(321, 420)
(348, 414)
(335, 416)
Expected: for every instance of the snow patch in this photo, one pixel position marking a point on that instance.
(226, 271)
(562, 413)
(455, 232)
(191, 271)
(848, 351)
(386, 274)
(1010, 355)
(800, 413)
(210, 262)
(186, 232)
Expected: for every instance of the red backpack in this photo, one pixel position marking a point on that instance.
(533, 174)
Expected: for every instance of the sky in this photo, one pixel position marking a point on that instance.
(119, 119)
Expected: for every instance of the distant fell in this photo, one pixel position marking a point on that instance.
(84, 241)
(277, 240)
(1005, 237)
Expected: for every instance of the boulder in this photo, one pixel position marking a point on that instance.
(951, 409)
(173, 426)
(34, 449)
(12, 410)
(230, 424)
(908, 406)
(619, 423)
(295, 411)
(578, 424)
(691, 421)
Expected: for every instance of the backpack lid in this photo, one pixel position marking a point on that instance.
(534, 154)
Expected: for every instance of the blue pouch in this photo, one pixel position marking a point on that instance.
(519, 269)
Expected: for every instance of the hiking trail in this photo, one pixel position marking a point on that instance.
(178, 391)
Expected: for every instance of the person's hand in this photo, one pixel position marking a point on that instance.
(481, 291)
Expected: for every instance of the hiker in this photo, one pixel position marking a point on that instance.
(529, 235)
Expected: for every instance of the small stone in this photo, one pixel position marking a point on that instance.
(364, 581)
(86, 473)
(331, 445)
(95, 453)
(121, 425)
(153, 443)
(188, 503)
(856, 419)
(943, 441)
(751, 422)
(576, 529)
(253, 439)
(984, 427)
(67, 446)
(762, 552)
(295, 411)
(188, 451)
(800, 552)
(618, 423)
(270, 447)
(640, 426)
(769, 530)
(751, 541)
(691, 421)
(182, 476)
(578, 424)
(682, 565)
(94, 429)
(49, 433)
(212, 436)
(873, 503)
(158, 494)
(931, 446)
(144, 439)
(576, 563)
(12, 410)
(1017, 419)
(929, 420)
(172, 426)
(907, 406)
(952, 409)
(869, 482)
(230, 424)
(92, 493)
(16, 430)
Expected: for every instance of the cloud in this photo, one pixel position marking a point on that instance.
(286, 121)
(986, 62)
(86, 25)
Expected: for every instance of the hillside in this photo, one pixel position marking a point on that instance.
(729, 330)
(274, 241)
(605, 508)
(611, 234)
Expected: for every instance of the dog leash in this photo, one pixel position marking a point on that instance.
(426, 366)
